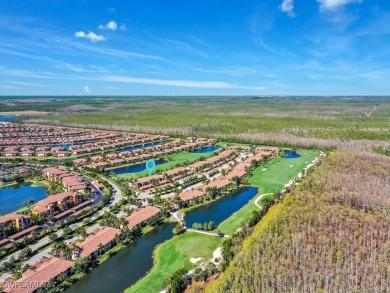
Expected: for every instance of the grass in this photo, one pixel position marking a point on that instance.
(173, 255)
(39, 184)
(278, 173)
(147, 229)
(175, 159)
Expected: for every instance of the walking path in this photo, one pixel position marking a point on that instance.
(204, 232)
(259, 198)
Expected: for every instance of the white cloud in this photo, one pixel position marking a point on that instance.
(335, 5)
(111, 25)
(287, 6)
(87, 90)
(90, 36)
(180, 83)
(122, 27)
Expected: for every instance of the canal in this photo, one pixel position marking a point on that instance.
(13, 196)
(140, 146)
(132, 263)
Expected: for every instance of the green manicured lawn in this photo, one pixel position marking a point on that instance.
(175, 159)
(38, 184)
(175, 254)
(278, 173)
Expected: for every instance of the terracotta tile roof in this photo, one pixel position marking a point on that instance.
(235, 173)
(99, 164)
(102, 236)
(24, 232)
(81, 205)
(141, 215)
(149, 178)
(10, 217)
(190, 194)
(197, 164)
(54, 171)
(40, 275)
(175, 171)
(53, 199)
(4, 242)
(218, 184)
(79, 161)
(63, 214)
(72, 180)
(241, 166)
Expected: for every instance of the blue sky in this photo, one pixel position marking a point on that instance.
(195, 47)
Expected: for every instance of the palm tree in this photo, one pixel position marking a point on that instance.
(62, 277)
(101, 248)
(67, 253)
(81, 232)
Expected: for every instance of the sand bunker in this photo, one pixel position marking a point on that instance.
(195, 260)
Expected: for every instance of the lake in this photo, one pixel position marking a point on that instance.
(132, 263)
(221, 209)
(13, 196)
(207, 149)
(134, 168)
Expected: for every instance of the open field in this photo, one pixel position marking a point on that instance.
(321, 121)
(175, 254)
(278, 173)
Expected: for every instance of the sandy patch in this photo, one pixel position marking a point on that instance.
(217, 253)
(195, 260)
(24, 113)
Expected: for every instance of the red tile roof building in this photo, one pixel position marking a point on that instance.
(90, 245)
(138, 217)
(37, 277)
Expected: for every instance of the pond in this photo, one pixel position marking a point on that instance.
(7, 117)
(291, 155)
(12, 197)
(132, 263)
(134, 168)
(207, 149)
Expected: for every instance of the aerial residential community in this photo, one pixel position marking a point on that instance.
(190, 146)
(90, 211)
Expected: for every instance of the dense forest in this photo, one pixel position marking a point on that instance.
(325, 122)
(331, 234)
